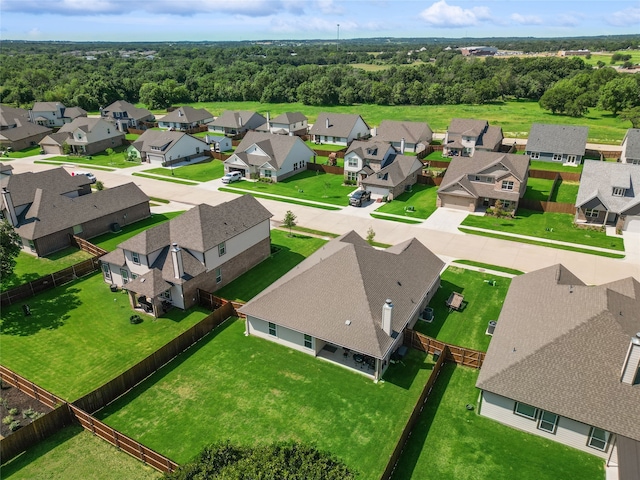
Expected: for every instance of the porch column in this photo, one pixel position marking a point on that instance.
(606, 215)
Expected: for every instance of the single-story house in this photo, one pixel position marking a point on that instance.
(265, 155)
(289, 123)
(85, 136)
(166, 148)
(631, 147)
(24, 135)
(404, 136)
(396, 177)
(365, 157)
(564, 364)
(218, 143)
(339, 128)
(185, 118)
(54, 114)
(10, 115)
(609, 194)
(557, 143)
(479, 181)
(204, 248)
(348, 302)
(465, 136)
(236, 122)
(126, 115)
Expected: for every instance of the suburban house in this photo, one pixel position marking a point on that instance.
(631, 147)
(16, 131)
(557, 143)
(126, 115)
(9, 116)
(465, 136)
(218, 143)
(564, 364)
(609, 194)
(5, 170)
(479, 181)
(363, 158)
(85, 136)
(289, 123)
(236, 122)
(204, 248)
(46, 208)
(166, 148)
(264, 155)
(396, 177)
(54, 114)
(348, 302)
(339, 128)
(404, 136)
(185, 118)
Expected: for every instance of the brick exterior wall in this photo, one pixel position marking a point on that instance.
(104, 144)
(23, 143)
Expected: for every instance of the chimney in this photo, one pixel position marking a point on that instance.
(631, 368)
(402, 144)
(180, 114)
(326, 122)
(176, 257)
(387, 316)
(240, 121)
(268, 119)
(6, 197)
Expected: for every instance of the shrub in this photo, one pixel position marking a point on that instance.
(13, 411)
(135, 319)
(15, 425)
(489, 211)
(99, 185)
(7, 420)
(265, 180)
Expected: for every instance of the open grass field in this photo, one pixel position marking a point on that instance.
(538, 189)
(75, 453)
(25, 152)
(451, 442)
(292, 251)
(483, 302)
(30, 267)
(419, 203)
(79, 336)
(546, 226)
(606, 57)
(200, 172)
(109, 241)
(250, 390)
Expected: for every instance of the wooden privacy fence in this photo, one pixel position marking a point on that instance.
(459, 355)
(541, 206)
(547, 175)
(210, 301)
(427, 180)
(87, 246)
(317, 167)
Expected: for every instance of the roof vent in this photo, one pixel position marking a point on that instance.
(348, 322)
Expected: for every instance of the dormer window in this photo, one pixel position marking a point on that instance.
(618, 191)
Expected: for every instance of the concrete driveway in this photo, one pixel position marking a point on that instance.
(445, 220)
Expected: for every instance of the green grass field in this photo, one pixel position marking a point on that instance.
(566, 192)
(25, 152)
(422, 199)
(554, 167)
(395, 219)
(483, 302)
(200, 172)
(116, 160)
(250, 390)
(488, 266)
(109, 241)
(606, 57)
(451, 442)
(538, 189)
(162, 178)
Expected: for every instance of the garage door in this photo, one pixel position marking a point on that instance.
(378, 191)
(452, 201)
(632, 224)
(54, 149)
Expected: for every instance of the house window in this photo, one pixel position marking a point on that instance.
(598, 438)
(266, 174)
(548, 422)
(353, 162)
(525, 410)
(591, 213)
(468, 150)
(77, 229)
(618, 192)
(352, 176)
(166, 295)
(295, 166)
(135, 258)
(308, 341)
(218, 275)
(125, 275)
(557, 156)
(272, 329)
(635, 161)
(506, 204)
(507, 185)
(106, 271)
(197, 149)
(534, 155)
(222, 249)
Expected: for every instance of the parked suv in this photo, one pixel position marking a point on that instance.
(89, 175)
(231, 177)
(359, 198)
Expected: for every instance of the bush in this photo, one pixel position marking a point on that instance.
(265, 180)
(350, 182)
(135, 319)
(99, 185)
(13, 411)
(7, 420)
(15, 425)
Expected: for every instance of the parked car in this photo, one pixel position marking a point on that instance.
(231, 177)
(89, 175)
(359, 198)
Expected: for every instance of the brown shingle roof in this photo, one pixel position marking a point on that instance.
(412, 132)
(187, 114)
(340, 124)
(394, 173)
(23, 186)
(277, 147)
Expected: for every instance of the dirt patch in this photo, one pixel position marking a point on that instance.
(25, 408)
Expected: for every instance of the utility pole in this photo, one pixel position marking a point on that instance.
(338, 42)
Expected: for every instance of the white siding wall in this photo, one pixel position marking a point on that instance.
(298, 153)
(237, 245)
(284, 336)
(359, 165)
(140, 269)
(359, 128)
(186, 146)
(631, 368)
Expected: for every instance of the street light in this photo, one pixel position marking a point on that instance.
(338, 41)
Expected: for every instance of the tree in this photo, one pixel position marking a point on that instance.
(620, 93)
(370, 235)
(632, 115)
(289, 221)
(10, 245)
(66, 148)
(99, 185)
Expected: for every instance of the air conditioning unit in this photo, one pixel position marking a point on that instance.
(491, 327)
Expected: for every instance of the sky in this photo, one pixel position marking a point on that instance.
(231, 20)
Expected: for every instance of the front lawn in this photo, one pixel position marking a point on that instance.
(109, 241)
(538, 189)
(307, 185)
(25, 152)
(78, 336)
(451, 442)
(75, 453)
(200, 172)
(419, 203)
(250, 390)
(482, 303)
(29, 267)
(102, 159)
(546, 226)
(290, 252)
(565, 192)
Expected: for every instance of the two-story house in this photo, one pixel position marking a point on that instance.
(478, 182)
(289, 123)
(185, 119)
(236, 122)
(396, 177)
(557, 143)
(204, 248)
(54, 114)
(339, 128)
(166, 148)
(631, 147)
(126, 115)
(404, 136)
(465, 136)
(84, 136)
(364, 158)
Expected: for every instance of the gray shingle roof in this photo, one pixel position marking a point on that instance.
(632, 145)
(394, 173)
(412, 132)
(9, 115)
(598, 180)
(277, 147)
(347, 279)
(23, 186)
(340, 124)
(562, 139)
(151, 284)
(488, 136)
(160, 138)
(132, 111)
(560, 345)
(371, 150)
(187, 114)
(232, 119)
(84, 123)
(24, 129)
(289, 118)
(75, 112)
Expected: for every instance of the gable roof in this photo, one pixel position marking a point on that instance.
(24, 129)
(9, 115)
(631, 143)
(187, 114)
(340, 124)
(289, 118)
(487, 136)
(160, 138)
(234, 118)
(598, 180)
(85, 124)
(373, 150)
(47, 106)
(23, 186)
(394, 173)
(566, 139)
(560, 345)
(412, 132)
(202, 227)
(355, 280)
(131, 110)
(277, 147)
(74, 112)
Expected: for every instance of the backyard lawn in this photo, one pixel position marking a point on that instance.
(565, 192)
(451, 442)
(325, 146)
(546, 226)
(29, 267)
(25, 152)
(554, 166)
(109, 241)
(250, 390)
(422, 198)
(307, 185)
(78, 336)
(75, 453)
(292, 250)
(436, 155)
(325, 161)
(538, 189)
(200, 172)
(482, 303)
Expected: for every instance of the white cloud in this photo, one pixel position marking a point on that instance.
(34, 33)
(441, 14)
(526, 19)
(312, 24)
(569, 20)
(328, 7)
(624, 18)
